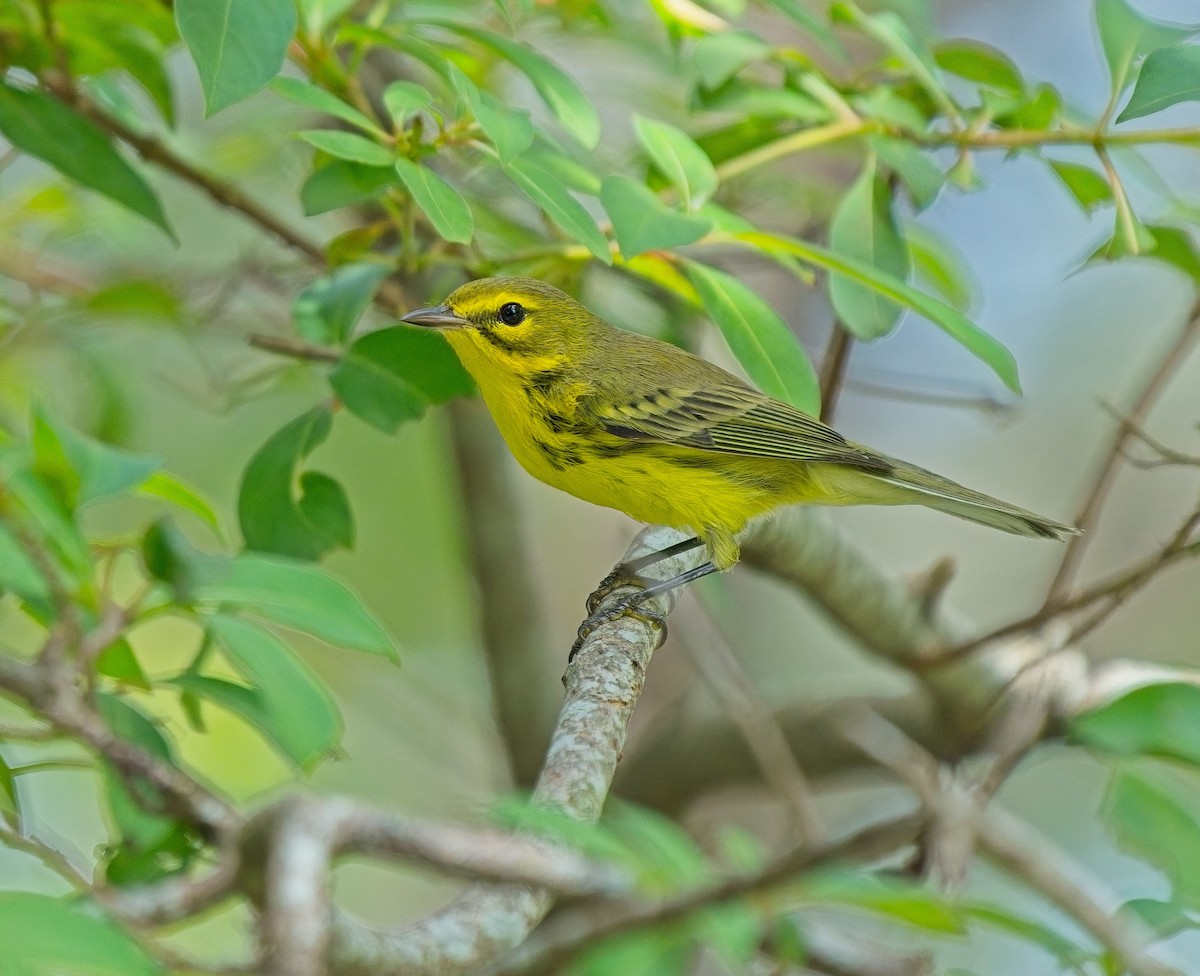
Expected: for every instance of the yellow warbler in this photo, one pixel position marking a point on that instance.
(638, 425)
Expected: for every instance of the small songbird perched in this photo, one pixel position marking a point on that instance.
(635, 424)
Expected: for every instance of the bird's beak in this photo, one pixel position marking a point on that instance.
(435, 317)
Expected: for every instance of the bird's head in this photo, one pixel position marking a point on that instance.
(518, 324)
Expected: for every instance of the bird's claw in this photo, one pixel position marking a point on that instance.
(631, 606)
(620, 576)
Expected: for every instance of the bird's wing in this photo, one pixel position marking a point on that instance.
(732, 419)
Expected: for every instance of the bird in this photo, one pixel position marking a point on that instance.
(633, 423)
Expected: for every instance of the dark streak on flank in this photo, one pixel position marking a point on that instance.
(559, 457)
(544, 380)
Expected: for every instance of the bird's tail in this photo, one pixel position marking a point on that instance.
(900, 483)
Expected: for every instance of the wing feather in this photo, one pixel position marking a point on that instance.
(733, 419)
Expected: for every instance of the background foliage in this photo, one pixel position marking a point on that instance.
(213, 212)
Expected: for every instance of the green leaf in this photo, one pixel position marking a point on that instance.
(44, 935)
(177, 493)
(1089, 188)
(1170, 75)
(438, 200)
(10, 800)
(238, 45)
(319, 100)
(980, 63)
(548, 193)
(136, 297)
(920, 174)
(327, 310)
(1154, 720)
(118, 662)
(864, 229)
(1155, 823)
(718, 57)
(641, 222)
(679, 159)
(1039, 111)
(344, 184)
(1126, 35)
(1176, 247)
(276, 518)
(319, 14)
(510, 130)
(286, 701)
(37, 124)
(1068, 954)
(562, 96)
(348, 146)
(1163, 918)
(905, 902)
(295, 594)
(937, 264)
(760, 340)
(390, 376)
(19, 574)
(98, 470)
(812, 24)
(952, 322)
(404, 99)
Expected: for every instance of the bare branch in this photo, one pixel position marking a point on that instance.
(295, 348)
(833, 368)
(573, 932)
(1155, 382)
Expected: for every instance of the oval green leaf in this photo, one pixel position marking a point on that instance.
(438, 200)
(347, 145)
(640, 221)
(1170, 75)
(679, 159)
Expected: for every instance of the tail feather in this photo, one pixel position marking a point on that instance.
(907, 484)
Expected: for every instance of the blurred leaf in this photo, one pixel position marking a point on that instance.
(661, 953)
(118, 662)
(663, 854)
(18, 574)
(812, 24)
(922, 177)
(405, 98)
(1068, 954)
(317, 15)
(1158, 826)
(939, 265)
(327, 310)
(136, 297)
(344, 184)
(390, 376)
(1130, 239)
(744, 100)
(548, 193)
(1154, 720)
(571, 173)
(642, 223)
(904, 902)
(980, 63)
(151, 845)
(1170, 75)
(864, 229)
(37, 124)
(46, 517)
(10, 800)
(1039, 111)
(952, 322)
(286, 701)
(1089, 188)
(761, 341)
(44, 936)
(319, 100)
(679, 159)
(274, 517)
(510, 130)
(1126, 35)
(295, 594)
(718, 57)
(1163, 918)
(1175, 246)
(238, 45)
(180, 495)
(438, 200)
(97, 470)
(560, 93)
(348, 146)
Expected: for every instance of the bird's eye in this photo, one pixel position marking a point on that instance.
(512, 313)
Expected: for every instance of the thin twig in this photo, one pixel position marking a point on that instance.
(1153, 385)
(52, 858)
(833, 368)
(294, 348)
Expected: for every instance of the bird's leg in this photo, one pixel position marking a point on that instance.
(628, 573)
(632, 606)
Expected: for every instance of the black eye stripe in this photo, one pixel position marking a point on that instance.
(511, 313)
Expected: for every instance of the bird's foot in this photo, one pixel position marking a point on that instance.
(630, 606)
(622, 575)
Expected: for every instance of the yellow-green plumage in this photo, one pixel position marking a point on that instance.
(638, 425)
